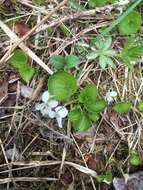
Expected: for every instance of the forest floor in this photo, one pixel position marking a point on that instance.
(95, 42)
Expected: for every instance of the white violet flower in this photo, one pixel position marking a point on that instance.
(60, 113)
(110, 96)
(49, 107)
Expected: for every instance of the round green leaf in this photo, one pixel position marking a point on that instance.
(71, 61)
(62, 85)
(89, 93)
(135, 158)
(80, 120)
(18, 58)
(57, 61)
(140, 106)
(26, 72)
(96, 106)
(94, 116)
(131, 23)
(122, 107)
(75, 115)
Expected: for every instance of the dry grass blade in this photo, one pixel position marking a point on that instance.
(31, 164)
(28, 51)
(26, 179)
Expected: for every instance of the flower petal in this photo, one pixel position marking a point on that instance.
(53, 103)
(113, 94)
(51, 113)
(110, 95)
(39, 107)
(61, 111)
(59, 120)
(45, 96)
(44, 111)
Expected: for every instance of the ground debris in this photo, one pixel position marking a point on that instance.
(135, 182)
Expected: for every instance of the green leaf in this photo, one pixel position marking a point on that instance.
(79, 119)
(131, 23)
(107, 43)
(140, 106)
(94, 3)
(106, 178)
(122, 107)
(110, 52)
(94, 116)
(96, 106)
(26, 73)
(91, 56)
(19, 58)
(71, 61)
(131, 52)
(62, 85)
(74, 115)
(100, 178)
(57, 61)
(106, 61)
(89, 93)
(135, 158)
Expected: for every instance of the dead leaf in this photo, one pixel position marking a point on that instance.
(21, 28)
(94, 161)
(66, 178)
(86, 136)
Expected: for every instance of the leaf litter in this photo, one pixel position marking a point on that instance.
(112, 136)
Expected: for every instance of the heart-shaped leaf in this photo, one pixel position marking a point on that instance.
(96, 106)
(131, 23)
(122, 107)
(57, 61)
(94, 116)
(79, 119)
(18, 59)
(71, 61)
(89, 93)
(26, 73)
(62, 85)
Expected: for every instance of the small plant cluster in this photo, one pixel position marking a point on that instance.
(87, 103)
(101, 51)
(20, 61)
(63, 85)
